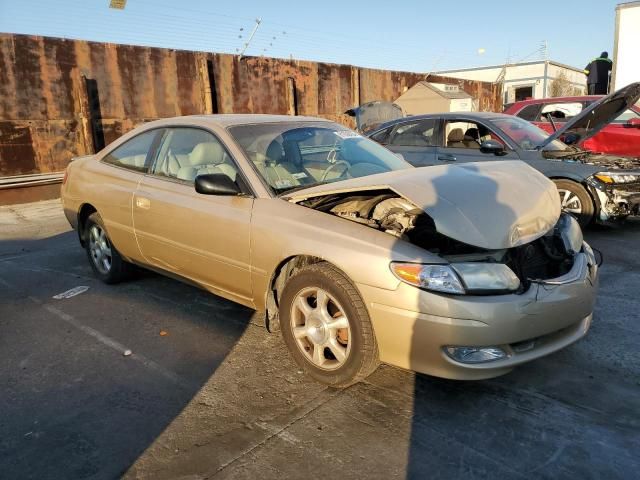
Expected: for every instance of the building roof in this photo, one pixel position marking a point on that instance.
(444, 93)
(489, 67)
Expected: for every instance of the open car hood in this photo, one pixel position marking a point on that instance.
(597, 115)
(370, 115)
(491, 205)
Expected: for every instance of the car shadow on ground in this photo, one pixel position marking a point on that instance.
(74, 403)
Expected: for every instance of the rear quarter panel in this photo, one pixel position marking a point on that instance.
(109, 190)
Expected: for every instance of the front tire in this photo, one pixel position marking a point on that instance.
(326, 326)
(575, 199)
(106, 262)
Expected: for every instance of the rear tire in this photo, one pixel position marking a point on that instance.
(326, 326)
(106, 262)
(575, 199)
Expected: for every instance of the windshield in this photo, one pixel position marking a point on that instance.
(526, 135)
(297, 155)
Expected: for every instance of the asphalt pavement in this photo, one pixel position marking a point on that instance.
(156, 379)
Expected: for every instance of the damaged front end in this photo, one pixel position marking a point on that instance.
(472, 270)
(618, 192)
(615, 183)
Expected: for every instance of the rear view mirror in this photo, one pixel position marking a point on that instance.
(216, 184)
(492, 146)
(633, 123)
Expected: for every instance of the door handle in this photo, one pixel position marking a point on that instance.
(447, 158)
(143, 203)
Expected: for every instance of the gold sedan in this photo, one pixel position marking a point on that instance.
(456, 271)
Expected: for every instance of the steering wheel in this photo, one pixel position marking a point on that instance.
(345, 164)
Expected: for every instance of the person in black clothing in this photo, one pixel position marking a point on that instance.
(597, 73)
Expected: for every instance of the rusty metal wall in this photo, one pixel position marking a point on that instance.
(61, 98)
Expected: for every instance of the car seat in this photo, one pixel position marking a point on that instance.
(207, 157)
(455, 139)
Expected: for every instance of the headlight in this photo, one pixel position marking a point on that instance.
(458, 278)
(440, 278)
(484, 277)
(570, 233)
(611, 178)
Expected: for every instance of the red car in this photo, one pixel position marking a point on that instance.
(620, 137)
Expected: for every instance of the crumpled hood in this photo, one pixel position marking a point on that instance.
(598, 115)
(491, 205)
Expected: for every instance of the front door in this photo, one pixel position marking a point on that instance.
(460, 143)
(205, 238)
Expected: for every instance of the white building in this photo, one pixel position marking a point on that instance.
(626, 68)
(528, 79)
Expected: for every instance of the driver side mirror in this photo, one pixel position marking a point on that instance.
(633, 123)
(492, 146)
(216, 184)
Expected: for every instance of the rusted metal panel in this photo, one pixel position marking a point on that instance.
(38, 146)
(30, 102)
(334, 89)
(384, 84)
(188, 96)
(48, 112)
(17, 154)
(57, 68)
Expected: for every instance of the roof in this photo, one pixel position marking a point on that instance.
(488, 67)
(443, 93)
(445, 115)
(578, 98)
(231, 119)
(624, 5)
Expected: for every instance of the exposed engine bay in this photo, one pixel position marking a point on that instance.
(544, 258)
(578, 155)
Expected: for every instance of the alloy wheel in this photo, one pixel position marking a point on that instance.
(100, 249)
(570, 202)
(321, 328)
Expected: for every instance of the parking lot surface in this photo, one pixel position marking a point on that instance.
(206, 392)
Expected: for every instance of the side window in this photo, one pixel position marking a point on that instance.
(133, 154)
(186, 153)
(560, 111)
(530, 112)
(382, 136)
(466, 134)
(415, 134)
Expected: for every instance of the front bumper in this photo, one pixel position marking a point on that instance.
(617, 201)
(412, 326)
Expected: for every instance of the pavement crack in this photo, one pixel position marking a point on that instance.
(277, 432)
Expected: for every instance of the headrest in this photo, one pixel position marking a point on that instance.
(474, 133)
(275, 152)
(455, 135)
(209, 153)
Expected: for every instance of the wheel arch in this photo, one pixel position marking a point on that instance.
(580, 181)
(85, 210)
(283, 271)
